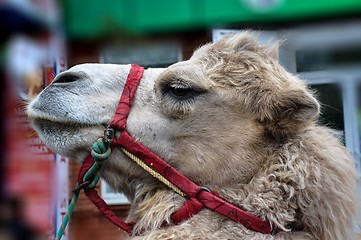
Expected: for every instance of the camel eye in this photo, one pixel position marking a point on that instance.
(180, 92)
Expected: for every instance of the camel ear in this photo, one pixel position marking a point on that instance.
(300, 106)
(288, 112)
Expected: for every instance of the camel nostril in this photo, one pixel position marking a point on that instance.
(66, 78)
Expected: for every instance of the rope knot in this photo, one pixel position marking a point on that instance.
(101, 150)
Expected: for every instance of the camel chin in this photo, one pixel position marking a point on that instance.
(64, 136)
(72, 140)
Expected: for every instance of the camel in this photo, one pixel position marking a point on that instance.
(231, 119)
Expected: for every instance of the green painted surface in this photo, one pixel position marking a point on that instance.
(284, 10)
(94, 18)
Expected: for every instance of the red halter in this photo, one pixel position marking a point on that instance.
(198, 197)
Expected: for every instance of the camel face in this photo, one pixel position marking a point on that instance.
(231, 119)
(221, 104)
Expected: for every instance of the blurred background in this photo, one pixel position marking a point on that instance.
(41, 38)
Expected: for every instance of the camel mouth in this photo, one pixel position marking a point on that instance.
(51, 131)
(50, 122)
(38, 117)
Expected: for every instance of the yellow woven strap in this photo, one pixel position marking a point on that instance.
(153, 172)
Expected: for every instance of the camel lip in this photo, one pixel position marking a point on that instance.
(35, 116)
(37, 122)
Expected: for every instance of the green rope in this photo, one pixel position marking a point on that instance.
(100, 152)
(66, 218)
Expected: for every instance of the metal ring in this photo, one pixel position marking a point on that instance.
(206, 189)
(108, 134)
(201, 190)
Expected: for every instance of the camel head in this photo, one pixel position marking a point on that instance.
(217, 118)
(207, 116)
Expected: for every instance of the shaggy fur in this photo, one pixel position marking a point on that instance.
(248, 131)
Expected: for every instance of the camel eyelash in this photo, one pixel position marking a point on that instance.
(178, 89)
(181, 92)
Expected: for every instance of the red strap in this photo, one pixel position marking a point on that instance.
(194, 191)
(189, 209)
(125, 103)
(250, 221)
(212, 202)
(158, 164)
(102, 206)
(199, 197)
(208, 199)
(119, 121)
